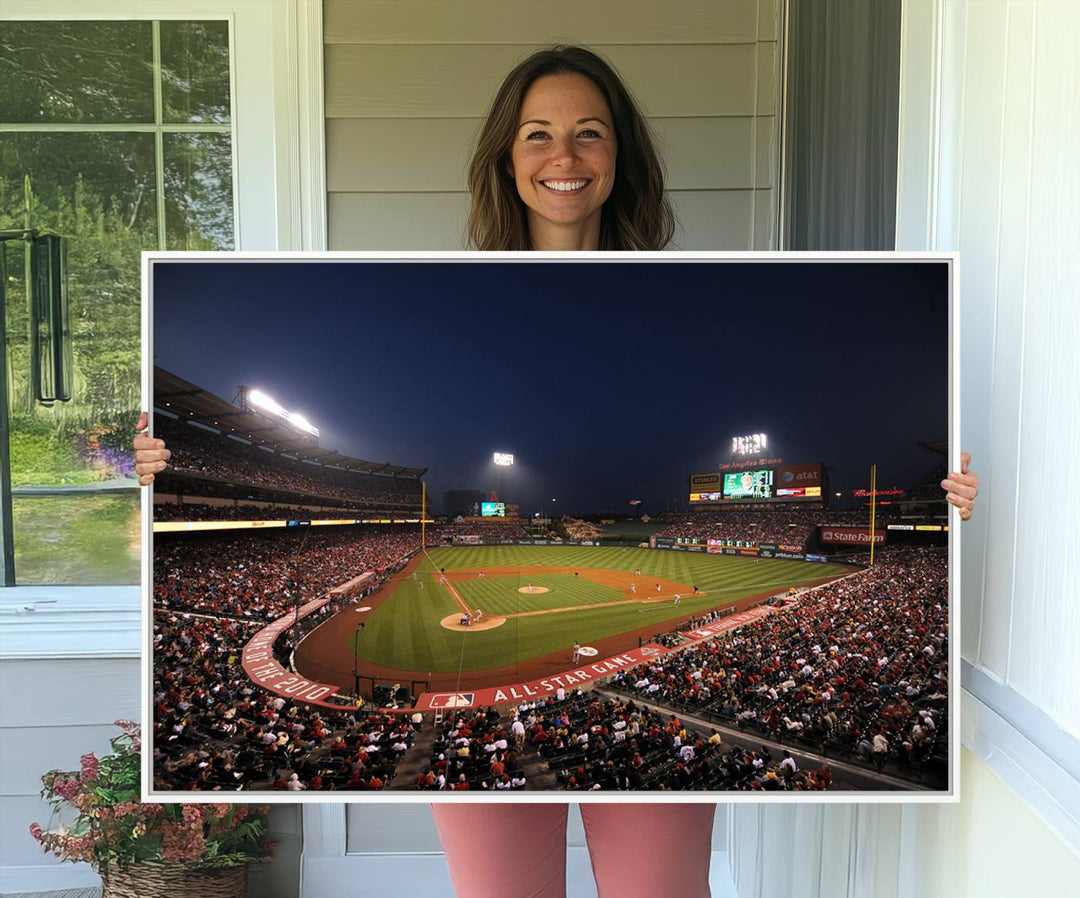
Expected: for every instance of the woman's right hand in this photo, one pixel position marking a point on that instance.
(150, 454)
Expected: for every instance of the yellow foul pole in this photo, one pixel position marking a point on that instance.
(423, 510)
(873, 509)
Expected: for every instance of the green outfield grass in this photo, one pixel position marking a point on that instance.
(405, 631)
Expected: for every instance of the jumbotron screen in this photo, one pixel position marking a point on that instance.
(492, 510)
(749, 485)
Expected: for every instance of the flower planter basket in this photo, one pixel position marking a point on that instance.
(150, 880)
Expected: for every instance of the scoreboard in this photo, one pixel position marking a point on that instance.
(779, 483)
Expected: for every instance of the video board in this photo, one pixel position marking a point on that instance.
(749, 485)
(492, 510)
(775, 483)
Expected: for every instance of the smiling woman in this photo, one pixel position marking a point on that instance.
(565, 161)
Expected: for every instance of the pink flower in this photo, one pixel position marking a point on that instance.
(192, 813)
(89, 767)
(65, 788)
(37, 832)
(181, 842)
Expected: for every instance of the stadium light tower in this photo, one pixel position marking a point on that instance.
(257, 399)
(503, 460)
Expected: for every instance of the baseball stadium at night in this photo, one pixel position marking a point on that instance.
(636, 526)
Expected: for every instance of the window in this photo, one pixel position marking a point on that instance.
(118, 136)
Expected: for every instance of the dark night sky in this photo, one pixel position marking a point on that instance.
(607, 380)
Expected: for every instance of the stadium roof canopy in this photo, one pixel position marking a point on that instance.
(193, 403)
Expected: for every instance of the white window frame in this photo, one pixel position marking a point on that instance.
(279, 204)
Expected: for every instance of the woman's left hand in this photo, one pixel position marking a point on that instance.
(962, 488)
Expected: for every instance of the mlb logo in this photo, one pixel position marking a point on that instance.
(650, 651)
(703, 632)
(452, 700)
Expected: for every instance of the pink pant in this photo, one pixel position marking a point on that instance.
(519, 850)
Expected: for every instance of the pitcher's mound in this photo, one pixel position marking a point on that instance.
(453, 622)
(532, 590)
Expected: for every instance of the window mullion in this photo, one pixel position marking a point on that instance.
(159, 136)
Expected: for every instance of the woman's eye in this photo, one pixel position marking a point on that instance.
(589, 132)
(536, 135)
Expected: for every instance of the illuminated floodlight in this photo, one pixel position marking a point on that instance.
(504, 458)
(750, 444)
(260, 399)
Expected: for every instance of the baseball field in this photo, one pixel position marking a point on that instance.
(528, 605)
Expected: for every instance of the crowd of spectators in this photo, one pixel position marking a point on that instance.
(248, 511)
(781, 524)
(261, 575)
(858, 667)
(213, 728)
(789, 525)
(591, 744)
(479, 531)
(475, 750)
(197, 451)
(578, 529)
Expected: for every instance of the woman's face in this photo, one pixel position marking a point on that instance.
(563, 156)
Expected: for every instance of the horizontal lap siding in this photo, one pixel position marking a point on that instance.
(528, 23)
(408, 84)
(53, 712)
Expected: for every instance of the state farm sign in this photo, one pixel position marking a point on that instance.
(851, 536)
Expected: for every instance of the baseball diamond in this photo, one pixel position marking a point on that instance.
(416, 633)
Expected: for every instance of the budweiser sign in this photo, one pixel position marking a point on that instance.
(858, 536)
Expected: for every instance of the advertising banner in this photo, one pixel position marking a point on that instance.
(772, 546)
(516, 692)
(851, 536)
(264, 670)
(663, 542)
(767, 553)
(783, 553)
(700, 483)
(793, 476)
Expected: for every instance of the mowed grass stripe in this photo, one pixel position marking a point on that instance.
(499, 595)
(405, 632)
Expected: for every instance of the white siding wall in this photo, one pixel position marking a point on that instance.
(408, 84)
